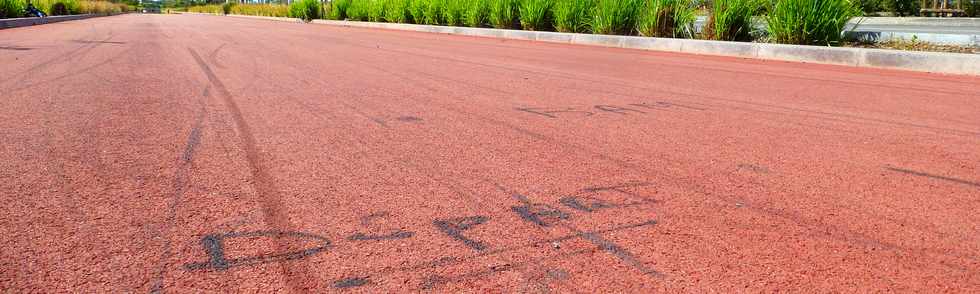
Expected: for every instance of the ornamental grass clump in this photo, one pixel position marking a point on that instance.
(359, 10)
(338, 9)
(666, 18)
(503, 14)
(535, 15)
(376, 10)
(810, 22)
(477, 13)
(572, 16)
(417, 9)
(615, 17)
(433, 12)
(307, 10)
(452, 11)
(12, 8)
(397, 11)
(731, 20)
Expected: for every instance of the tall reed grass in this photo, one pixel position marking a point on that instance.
(810, 22)
(12, 8)
(573, 16)
(731, 20)
(615, 17)
(666, 18)
(503, 14)
(477, 13)
(536, 15)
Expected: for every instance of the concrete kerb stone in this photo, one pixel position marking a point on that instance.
(950, 63)
(10, 23)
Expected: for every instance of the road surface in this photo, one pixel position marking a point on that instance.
(192, 153)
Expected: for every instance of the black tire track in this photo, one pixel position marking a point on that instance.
(296, 275)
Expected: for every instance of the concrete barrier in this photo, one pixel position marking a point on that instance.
(948, 63)
(8, 23)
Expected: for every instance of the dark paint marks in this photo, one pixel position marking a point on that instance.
(616, 109)
(408, 119)
(351, 282)
(393, 236)
(15, 48)
(663, 104)
(214, 246)
(932, 176)
(619, 252)
(584, 204)
(98, 42)
(456, 226)
(540, 214)
(558, 274)
(753, 168)
(551, 113)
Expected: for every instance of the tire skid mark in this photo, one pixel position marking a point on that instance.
(80, 50)
(180, 184)
(295, 274)
(932, 176)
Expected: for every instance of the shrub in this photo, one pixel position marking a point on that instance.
(477, 13)
(306, 10)
(213, 9)
(376, 10)
(535, 15)
(666, 18)
(452, 11)
(869, 6)
(276, 10)
(58, 7)
(503, 14)
(902, 7)
(226, 8)
(397, 11)
(971, 8)
(433, 12)
(810, 21)
(338, 9)
(615, 16)
(572, 16)
(12, 8)
(731, 20)
(417, 9)
(101, 7)
(359, 10)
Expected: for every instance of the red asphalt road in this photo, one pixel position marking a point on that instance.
(192, 153)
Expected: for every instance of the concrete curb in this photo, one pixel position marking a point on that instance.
(9, 23)
(948, 63)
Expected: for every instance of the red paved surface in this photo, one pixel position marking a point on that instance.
(202, 153)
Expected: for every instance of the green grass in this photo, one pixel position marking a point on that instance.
(417, 9)
(810, 22)
(276, 10)
(477, 13)
(731, 20)
(433, 12)
(397, 11)
(359, 10)
(666, 18)
(615, 17)
(452, 11)
(376, 10)
(503, 14)
(306, 10)
(338, 9)
(12, 8)
(536, 15)
(572, 16)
